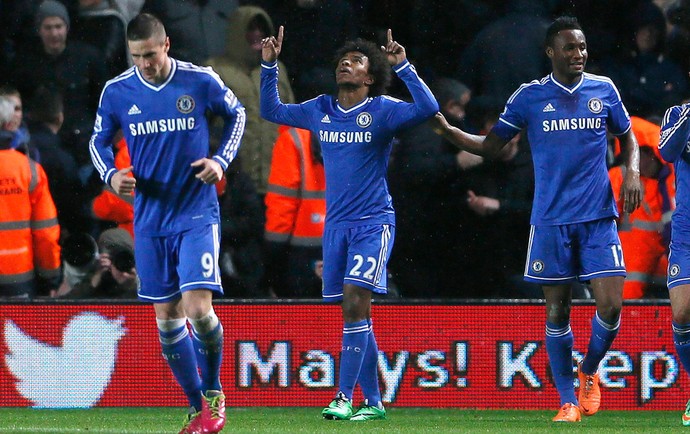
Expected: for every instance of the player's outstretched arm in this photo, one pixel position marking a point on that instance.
(484, 146)
(394, 51)
(271, 46)
(631, 190)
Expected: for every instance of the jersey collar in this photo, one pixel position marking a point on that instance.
(570, 90)
(364, 102)
(160, 87)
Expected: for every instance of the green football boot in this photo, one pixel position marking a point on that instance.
(686, 415)
(369, 412)
(339, 409)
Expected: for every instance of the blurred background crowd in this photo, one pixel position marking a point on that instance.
(462, 222)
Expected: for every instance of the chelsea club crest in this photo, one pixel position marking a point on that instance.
(363, 120)
(185, 104)
(595, 105)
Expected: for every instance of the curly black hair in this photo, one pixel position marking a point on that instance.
(379, 68)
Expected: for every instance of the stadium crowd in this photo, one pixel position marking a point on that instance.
(462, 221)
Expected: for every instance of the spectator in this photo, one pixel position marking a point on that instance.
(645, 232)
(311, 71)
(70, 67)
(22, 137)
(79, 260)
(198, 27)
(240, 68)
(110, 272)
(242, 228)
(426, 178)
(128, 8)
(295, 214)
(648, 81)
(678, 40)
(29, 230)
(70, 195)
(103, 27)
(482, 65)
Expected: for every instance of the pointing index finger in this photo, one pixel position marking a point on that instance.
(390, 36)
(280, 35)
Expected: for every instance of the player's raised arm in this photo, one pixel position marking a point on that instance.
(394, 51)
(271, 46)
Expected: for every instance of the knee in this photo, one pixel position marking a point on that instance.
(557, 313)
(681, 314)
(610, 312)
(197, 311)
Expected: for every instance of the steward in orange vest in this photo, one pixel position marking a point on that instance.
(29, 230)
(295, 214)
(644, 234)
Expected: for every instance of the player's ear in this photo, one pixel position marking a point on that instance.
(549, 52)
(369, 80)
(166, 44)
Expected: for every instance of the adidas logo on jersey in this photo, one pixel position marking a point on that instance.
(549, 108)
(134, 110)
(326, 120)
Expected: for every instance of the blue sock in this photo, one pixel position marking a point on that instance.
(600, 341)
(681, 339)
(369, 374)
(355, 340)
(178, 351)
(559, 347)
(207, 336)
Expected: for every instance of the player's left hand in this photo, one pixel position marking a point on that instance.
(210, 170)
(394, 51)
(631, 191)
(271, 46)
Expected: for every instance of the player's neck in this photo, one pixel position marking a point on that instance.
(350, 97)
(567, 80)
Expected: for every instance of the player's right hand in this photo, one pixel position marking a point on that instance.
(122, 182)
(271, 46)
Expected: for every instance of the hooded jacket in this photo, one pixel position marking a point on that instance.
(240, 69)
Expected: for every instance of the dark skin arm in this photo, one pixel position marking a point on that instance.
(631, 190)
(485, 146)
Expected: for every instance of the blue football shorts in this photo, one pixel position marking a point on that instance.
(357, 256)
(678, 272)
(170, 265)
(579, 251)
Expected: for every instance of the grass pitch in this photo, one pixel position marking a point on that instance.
(132, 420)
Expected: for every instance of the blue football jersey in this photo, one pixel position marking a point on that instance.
(355, 142)
(566, 129)
(675, 147)
(165, 128)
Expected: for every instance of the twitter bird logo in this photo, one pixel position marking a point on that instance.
(72, 375)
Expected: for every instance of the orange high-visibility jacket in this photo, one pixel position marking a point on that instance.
(641, 232)
(109, 205)
(29, 230)
(295, 198)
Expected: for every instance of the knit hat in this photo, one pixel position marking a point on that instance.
(51, 8)
(115, 240)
